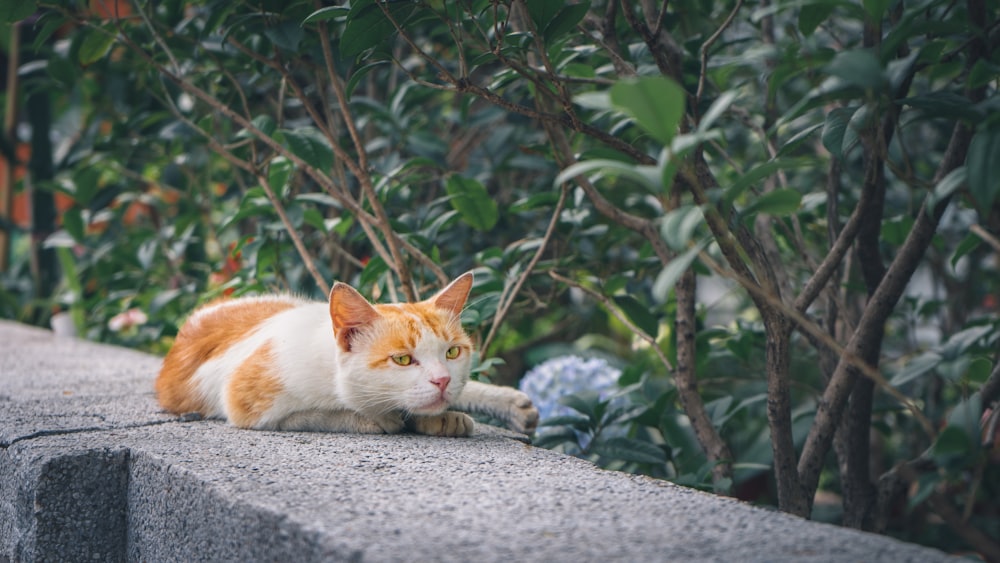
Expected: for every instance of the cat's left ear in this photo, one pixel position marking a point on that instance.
(453, 297)
(350, 313)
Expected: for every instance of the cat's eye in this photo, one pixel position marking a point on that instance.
(402, 359)
(453, 352)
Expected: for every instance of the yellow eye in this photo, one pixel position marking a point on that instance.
(402, 359)
(453, 352)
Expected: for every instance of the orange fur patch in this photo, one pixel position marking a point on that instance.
(208, 333)
(401, 325)
(252, 388)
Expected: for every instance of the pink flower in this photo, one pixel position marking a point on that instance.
(127, 319)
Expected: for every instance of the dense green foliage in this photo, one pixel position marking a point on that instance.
(775, 218)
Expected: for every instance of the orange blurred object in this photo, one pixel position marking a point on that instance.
(111, 9)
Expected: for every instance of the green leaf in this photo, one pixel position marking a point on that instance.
(953, 443)
(311, 146)
(982, 73)
(598, 100)
(95, 45)
(367, 25)
(286, 35)
(470, 198)
(625, 414)
(926, 484)
(314, 218)
(584, 402)
(967, 245)
(356, 77)
(876, 8)
(895, 229)
(916, 367)
(899, 71)
(553, 438)
(645, 176)
(812, 15)
(264, 123)
(278, 173)
(72, 221)
(655, 102)
(833, 130)
(778, 203)
(979, 370)
(965, 416)
(718, 107)
(16, 10)
(717, 410)
(327, 13)
(945, 104)
(858, 67)
(673, 271)
(963, 341)
(638, 313)
(983, 168)
(574, 421)
(52, 23)
(761, 171)
(543, 11)
(798, 138)
(678, 226)
(86, 183)
(72, 277)
(627, 449)
(565, 20)
(947, 186)
(319, 198)
(63, 71)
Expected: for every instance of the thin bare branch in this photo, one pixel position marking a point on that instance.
(262, 178)
(293, 233)
(808, 325)
(686, 378)
(510, 292)
(871, 325)
(614, 310)
(708, 45)
(943, 507)
(986, 236)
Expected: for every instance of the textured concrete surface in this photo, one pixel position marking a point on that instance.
(91, 470)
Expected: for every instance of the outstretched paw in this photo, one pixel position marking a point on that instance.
(522, 414)
(448, 423)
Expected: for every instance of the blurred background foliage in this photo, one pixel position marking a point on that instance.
(747, 246)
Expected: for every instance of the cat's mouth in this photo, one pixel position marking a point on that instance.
(436, 406)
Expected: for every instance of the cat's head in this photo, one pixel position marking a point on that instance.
(411, 357)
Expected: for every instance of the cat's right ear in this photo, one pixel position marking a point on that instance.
(350, 312)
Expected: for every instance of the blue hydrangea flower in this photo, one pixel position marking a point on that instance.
(558, 377)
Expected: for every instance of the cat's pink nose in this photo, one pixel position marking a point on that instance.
(441, 382)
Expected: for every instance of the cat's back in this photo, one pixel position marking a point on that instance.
(210, 332)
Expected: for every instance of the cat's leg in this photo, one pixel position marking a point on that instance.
(506, 403)
(449, 423)
(318, 420)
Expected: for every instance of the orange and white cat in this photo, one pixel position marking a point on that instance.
(283, 363)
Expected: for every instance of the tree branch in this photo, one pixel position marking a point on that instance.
(869, 330)
(507, 297)
(686, 379)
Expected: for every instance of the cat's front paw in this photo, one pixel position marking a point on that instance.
(448, 423)
(391, 423)
(521, 412)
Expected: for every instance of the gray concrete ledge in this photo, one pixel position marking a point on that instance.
(91, 470)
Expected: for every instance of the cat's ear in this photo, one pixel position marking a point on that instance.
(453, 297)
(350, 313)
